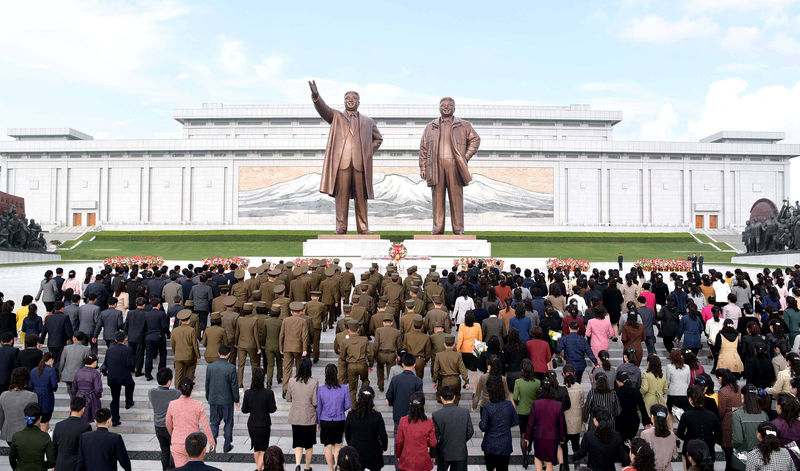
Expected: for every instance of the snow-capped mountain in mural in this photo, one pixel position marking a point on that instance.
(395, 196)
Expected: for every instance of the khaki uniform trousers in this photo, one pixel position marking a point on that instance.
(234, 356)
(332, 315)
(356, 371)
(290, 359)
(273, 360)
(454, 381)
(255, 361)
(185, 369)
(384, 361)
(315, 334)
(420, 368)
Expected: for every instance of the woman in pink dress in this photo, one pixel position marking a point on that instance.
(185, 416)
(600, 330)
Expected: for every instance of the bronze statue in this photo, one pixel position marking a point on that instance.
(17, 233)
(447, 145)
(347, 168)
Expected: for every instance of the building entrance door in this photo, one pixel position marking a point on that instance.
(76, 219)
(91, 219)
(712, 221)
(698, 221)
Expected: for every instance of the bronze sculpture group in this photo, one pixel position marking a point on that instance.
(447, 144)
(17, 233)
(775, 233)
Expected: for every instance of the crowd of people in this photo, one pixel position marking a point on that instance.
(525, 343)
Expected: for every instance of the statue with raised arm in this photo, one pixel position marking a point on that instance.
(347, 168)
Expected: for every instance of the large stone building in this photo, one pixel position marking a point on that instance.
(539, 167)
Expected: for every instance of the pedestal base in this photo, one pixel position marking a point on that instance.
(24, 256)
(448, 246)
(346, 245)
(769, 259)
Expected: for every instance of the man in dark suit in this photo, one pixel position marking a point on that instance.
(700, 263)
(493, 326)
(60, 329)
(9, 358)
(195, 446)
(401, 387)
(101, 450)
(157, 331)
(98, 288)
(119, 362)
(71, 310)
(619, 260)
(59, 279)
(453, 427)
(693, 259)
(67, 435)
(136, 328)
(110, 322)
(222, 392)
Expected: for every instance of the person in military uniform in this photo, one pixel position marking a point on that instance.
(408, 318)
(213, 337)
(433, 288)
(246, 341)
(317, 275)
(369, 301)
(447, 367)
(184, 346)
(310, 325)
(394, 292)
(413, 294)
(317, 311)
(229, 319)
(348, 282)
(239, 291)
(374, 279)
(437, 342)
(194, 319)
(410, 277)
(418, 344)
(355, 351)
(274, 360)
(428, 277)
(341, 324)
(252, 283)
(338, 341)
(217, 304)
(300, 286)
(330, 296)
(437, 316)
(361, 314)
(293, 340)
(376, 321)
(385, 345)
(267, 286)
(281, 300)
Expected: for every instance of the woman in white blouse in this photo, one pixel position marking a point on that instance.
(463, 304)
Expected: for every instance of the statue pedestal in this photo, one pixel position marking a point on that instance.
(448, 245)
(769, 259)
(26, 256)
(346, 245)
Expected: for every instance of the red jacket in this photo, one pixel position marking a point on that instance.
(567, 320)
(411, 445)
(539, 353)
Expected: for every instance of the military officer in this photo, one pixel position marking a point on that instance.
(281, 300)
(213, 337)
(184, 346)
(385, 345)
(447, 367)
(252, 283)
(348, 282)
(267, 286)
(216, 304)
(293, 340)
(408, 318)
(419, 304)
(317, 275)
(437, 337)
(239, 291)
(274, 360)
(437, 316)
(428, 277)
(330, 296)
(246, 341)
(338, 341)
(300, 286)
(229, 319)
(433, 288)
(409, 278)
(369, 301)
(418, 344)
(376, 321)
(360, 313)
(394, 292)
(374, 279)
(355, 351)
(317, 312)
(341, 324)
(194, 319)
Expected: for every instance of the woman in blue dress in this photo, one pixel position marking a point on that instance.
(44, 382)
(690, 328)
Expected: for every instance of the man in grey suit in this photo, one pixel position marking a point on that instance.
(453, 427)
(110, 321)
(172, 289)
(222, 392)
(202, 295)
(88, 316)
(493, 326)
(71, 310)
(72, 358)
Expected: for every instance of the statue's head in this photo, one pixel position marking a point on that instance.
(351, 100)
(447, 106)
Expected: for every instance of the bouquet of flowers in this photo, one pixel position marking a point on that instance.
(240, 262)
(307, 261)
(663, 264)
(568, 264)
(397, 252)
(139, 260)
(478, 348)
(463, 262)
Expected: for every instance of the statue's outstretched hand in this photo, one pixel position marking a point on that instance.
(312, 84)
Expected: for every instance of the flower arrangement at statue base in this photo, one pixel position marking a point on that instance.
(240, 262)
(397, 252)
(463, 262)
(138, 260)
(406, 258)
(664, 264)
(567, 264)
(307, 261)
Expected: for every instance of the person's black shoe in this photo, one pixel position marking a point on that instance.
(380, 388)
(283, 394)
(298, 468)
(148, 378)
(139, 374)
(564, 467)
(614, 339)
(116, 424)
(316, 361)
(280, 381)
(130, 405)
(227, 448)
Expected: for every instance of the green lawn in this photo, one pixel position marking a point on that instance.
(194, 245)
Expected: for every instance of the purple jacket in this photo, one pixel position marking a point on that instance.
(787, 434)
(546, 421)
(332, 403)
(89, 385)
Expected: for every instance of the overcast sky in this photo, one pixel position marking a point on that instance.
(677, 70)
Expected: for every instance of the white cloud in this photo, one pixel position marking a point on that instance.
(741, 38)
(182, 76)
(728, 107)
(663, 127)
(231, 56)
(88, 41)
(786, 45)
(659, 30)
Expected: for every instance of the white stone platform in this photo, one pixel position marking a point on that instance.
(775, 259)
(346, 245)
(448, 246)
(23, 256)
